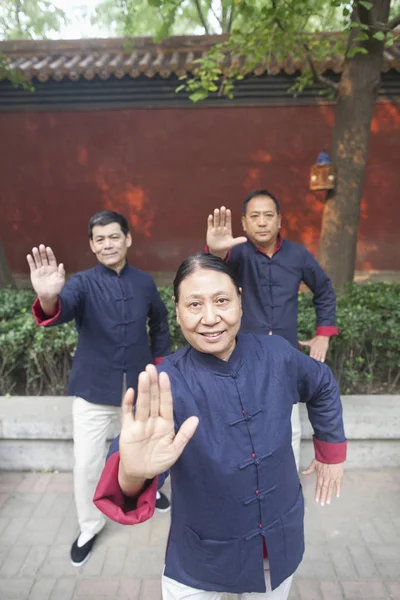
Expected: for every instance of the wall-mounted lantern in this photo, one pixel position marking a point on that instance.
(322, 176)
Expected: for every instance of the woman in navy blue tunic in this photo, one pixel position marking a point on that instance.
(217, 414)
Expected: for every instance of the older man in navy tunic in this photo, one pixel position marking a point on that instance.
(112, 305)
(270, 270)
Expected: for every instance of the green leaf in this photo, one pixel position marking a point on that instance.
(356, 50)
(362, 37)
(379, 35)
(200, 95)
(30, 19)
(359, 25)
(365, 4)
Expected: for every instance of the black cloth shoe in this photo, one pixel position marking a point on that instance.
(80, 554)
(162, 502)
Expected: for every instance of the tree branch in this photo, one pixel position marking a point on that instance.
(231, 18)
(201, 16)
(276, 19)
(219, 20)
(18, 16)
(395, 22)
(224, 15)
(318, 76)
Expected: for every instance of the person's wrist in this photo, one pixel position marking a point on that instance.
(48, 298)
(131, 485)
(219, 253)
(48, 304)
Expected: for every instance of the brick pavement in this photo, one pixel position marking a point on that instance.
(353, 546)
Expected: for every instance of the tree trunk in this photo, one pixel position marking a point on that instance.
(358, 89)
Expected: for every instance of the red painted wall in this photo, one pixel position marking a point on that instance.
(166, 169)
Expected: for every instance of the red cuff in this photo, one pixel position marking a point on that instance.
(329, 330)
(40, 317)
(158, 360)
(330, 453)
(110, 500)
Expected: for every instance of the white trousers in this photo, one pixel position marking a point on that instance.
(172, 590)
(91, 424)
(296, 434)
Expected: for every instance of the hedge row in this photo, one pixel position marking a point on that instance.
(365, 357)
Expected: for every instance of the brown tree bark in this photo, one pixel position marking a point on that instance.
(358, 89)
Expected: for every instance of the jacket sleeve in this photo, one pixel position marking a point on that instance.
(317, 387)
(69, 306)
(235, 257)
(111, 501)
(324, 298)
(160, 341)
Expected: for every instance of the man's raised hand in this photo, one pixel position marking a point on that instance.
(47, 277)
(219, 233)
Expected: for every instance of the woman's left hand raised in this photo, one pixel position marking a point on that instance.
(148, 444)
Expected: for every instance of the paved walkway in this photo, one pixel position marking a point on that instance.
(353, 546)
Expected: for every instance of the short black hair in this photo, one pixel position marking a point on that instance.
(265, 193)
(105, 217)
(202, 260)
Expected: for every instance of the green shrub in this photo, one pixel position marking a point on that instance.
(365, 358)
(177, 339)
(33, 360)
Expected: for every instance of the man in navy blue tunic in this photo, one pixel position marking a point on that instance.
(113, 305)
(270, 270)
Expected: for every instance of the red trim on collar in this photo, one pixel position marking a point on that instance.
(279, 240)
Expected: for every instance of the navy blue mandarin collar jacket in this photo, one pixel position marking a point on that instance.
(122, 326)
(271, 286)
(236, 481)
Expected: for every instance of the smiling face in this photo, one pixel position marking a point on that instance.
(209, 310)
(261, 221)
(110, 245)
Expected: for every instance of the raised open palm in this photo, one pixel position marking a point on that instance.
(148, 445)
(219, 232)
(47, 277)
